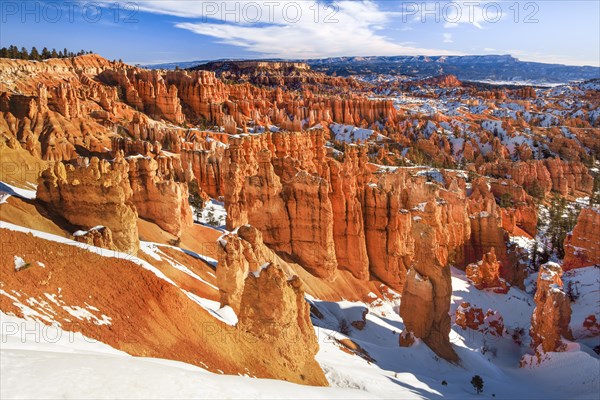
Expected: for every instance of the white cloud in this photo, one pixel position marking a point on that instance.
(448, 38)
(474, 13)
(291, 29)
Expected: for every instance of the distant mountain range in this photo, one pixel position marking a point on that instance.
(503, 68)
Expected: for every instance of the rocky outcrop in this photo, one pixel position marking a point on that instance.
(429, 289)
(348, 179)
(471, 317)
(273, 310)
(486, 274)
(486, 225)
(99, 236)
(240, 254)
(90, 193)
(552, 313)
(268, 299)
(518, 209)
(582, 245)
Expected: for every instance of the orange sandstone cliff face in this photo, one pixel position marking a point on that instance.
(91, 194)
(272, 185)
(553, 174)
(582, 246)
(268, 298)
(160, 194)
(309, 207)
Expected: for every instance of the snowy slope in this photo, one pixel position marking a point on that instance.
(42, 362)
(39, 365)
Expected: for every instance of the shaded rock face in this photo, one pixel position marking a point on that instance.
(486, 273)
(582, 245)
(486, 226)
(418, 291)
(552, 314)
(99, 236)
(89, 194)
(426, 295)
(521, 212)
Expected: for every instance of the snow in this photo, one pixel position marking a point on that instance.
(218, 217)
(38, 361)
(19, 263)
(153, 250)
(585, 286)
(7, 190)
(434, 174)
(83, 233)
(350, 134)
(257, 272)
(225, 314)
(81, 314)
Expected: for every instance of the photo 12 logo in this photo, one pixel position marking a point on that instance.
(247, 12)
(474, 12)
(68, 12)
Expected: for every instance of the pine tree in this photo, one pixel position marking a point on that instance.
(4, 52)
(13, 52)
(195, 199)
(477, 383)
(34, 55)
(533, 264)
(24, 54)
(53, 53)
(45, 53)
(595, 196)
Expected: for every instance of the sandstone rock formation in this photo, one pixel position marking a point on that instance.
(490, 322)
(486, 273)
(160, 192)
(273, 310)
(277, 192)
(552, 314)
(91, 193)
(566, 178)
(582, 245)
(240, 254)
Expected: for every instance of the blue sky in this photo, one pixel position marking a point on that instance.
(181, 30)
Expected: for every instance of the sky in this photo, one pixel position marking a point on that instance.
(159, 31)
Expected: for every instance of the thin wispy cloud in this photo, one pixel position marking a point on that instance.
(291, 29)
